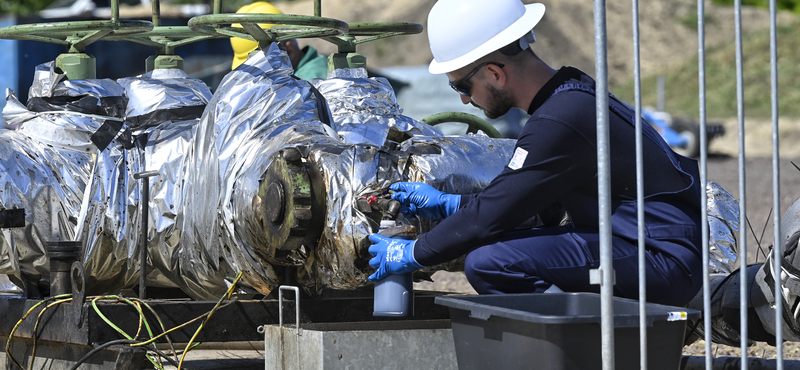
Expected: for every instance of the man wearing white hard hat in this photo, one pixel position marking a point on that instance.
(484, 48)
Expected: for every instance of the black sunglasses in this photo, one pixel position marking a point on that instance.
(463, 86)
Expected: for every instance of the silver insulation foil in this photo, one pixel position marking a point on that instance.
(48, 83)
(163, 95)
(258, 109)
(204, 225)
(45, 167)
(110, 220)
(461, 165)
(723, 229)
(365, 109)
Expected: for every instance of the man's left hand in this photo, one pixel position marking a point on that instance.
(391, 256)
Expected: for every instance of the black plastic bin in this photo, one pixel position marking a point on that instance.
(560, 331)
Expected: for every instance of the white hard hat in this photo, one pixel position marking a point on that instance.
(462, 31)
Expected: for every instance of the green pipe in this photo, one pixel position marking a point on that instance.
(474, 122)
(217, 6)
(115, 10)
(156, 13)
(317, 8)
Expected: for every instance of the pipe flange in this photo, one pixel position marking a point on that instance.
(285, 208)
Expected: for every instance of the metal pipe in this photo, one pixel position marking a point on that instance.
(217, 6)
(143, 243)
(701, 76)
(317, 8)
(61, 255)
(640, 186)
(742, 186)
(145, 204)
(115, 10)
(156, 9)
(776, 183)
(604, 187)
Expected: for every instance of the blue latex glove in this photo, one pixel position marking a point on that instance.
(392, 256)
(425, 201)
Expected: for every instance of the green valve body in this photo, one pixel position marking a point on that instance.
(77, 66)
(163, 62)
(346, 60)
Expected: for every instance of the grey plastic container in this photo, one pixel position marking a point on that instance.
(560, 331)
(394, 296)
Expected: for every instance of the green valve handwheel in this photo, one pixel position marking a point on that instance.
(473, 122)
(288, 26)
(165, 39)
(375, 31)
(75, 35)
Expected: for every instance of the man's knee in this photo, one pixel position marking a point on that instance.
(478, 267)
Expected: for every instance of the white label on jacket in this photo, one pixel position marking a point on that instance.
(518, 159)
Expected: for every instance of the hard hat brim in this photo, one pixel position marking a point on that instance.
(533, 14)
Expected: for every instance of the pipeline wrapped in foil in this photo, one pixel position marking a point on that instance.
(210, 204)
(45, 168)
(258, 109)
(165, 106)
(365, 109)
(163, 95)
(723, 229)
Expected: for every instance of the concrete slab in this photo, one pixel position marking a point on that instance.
(348, 348)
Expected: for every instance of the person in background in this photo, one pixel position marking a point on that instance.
(306, 62)
(484, 48)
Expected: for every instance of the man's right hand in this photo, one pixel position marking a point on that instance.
(423, 200)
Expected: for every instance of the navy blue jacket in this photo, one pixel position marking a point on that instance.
(561, 166)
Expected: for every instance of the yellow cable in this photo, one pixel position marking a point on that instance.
(224, 296)
(36, 326)
(141, 316)
(178, 327)
(160, 323)
(11, 335)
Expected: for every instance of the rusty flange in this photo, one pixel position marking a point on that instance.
(290, 212)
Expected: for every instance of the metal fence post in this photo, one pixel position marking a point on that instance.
(606, 273)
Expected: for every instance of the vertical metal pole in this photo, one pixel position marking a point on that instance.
(217, 6)
(317, 8)
(742, 189)
(701, 60)
(143, 244)
(777, 249)
(115, 10)
(640, 186)
(156, 9)
(604, 187)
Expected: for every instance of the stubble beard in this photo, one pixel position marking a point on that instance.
(500, 102)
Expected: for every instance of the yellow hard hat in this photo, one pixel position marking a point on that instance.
(243, 47)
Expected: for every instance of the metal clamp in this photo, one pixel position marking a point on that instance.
(297, 320)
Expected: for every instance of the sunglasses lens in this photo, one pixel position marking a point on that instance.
(460, 88)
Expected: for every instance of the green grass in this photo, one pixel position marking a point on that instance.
(682, 87)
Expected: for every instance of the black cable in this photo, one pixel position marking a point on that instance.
(120, 341)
